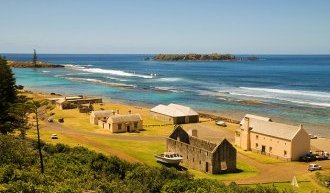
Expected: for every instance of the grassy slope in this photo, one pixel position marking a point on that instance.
(143, 151)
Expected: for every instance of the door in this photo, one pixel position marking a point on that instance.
(206, 166)
(263, 149)
(128, 129)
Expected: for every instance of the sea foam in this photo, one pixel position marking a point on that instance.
(113, 72)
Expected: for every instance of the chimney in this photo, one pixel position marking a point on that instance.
(129, 112)
(117, 111)
(301, 126)
(193, 132)
(246, 125)
(113, 112)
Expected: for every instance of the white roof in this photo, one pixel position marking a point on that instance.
(264, 125)
(250, 116)
(60, 101)
(174, 110)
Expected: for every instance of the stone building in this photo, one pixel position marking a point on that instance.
(118, 123)
(177, 114)
(96, 116)
(278, 140)
(200, 154)
(66, 103)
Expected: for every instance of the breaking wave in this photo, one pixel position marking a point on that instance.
(101, 82)
(113, 72)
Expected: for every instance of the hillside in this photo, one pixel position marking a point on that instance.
(79, 169)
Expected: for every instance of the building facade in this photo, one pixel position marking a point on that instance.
(122, 123)
(281, 141)
(200, 154)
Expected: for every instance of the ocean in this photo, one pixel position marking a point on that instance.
(293, 89)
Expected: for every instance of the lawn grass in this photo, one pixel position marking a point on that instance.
(260, 158)
(246, 172)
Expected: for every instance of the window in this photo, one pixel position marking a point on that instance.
(270, 149)
(119, 126)
(135, 125)
(257, 136)
(285, 153)
(257, 145)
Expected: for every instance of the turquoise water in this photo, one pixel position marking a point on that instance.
(293, 89)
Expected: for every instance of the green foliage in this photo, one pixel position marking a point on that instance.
(8, 96)
(78, 169)
(199, 57)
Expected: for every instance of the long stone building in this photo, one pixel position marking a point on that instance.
(278, 140)
(177, 114)
(200, 154)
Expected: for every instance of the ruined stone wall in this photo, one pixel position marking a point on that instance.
(224, 159)
(193, 157)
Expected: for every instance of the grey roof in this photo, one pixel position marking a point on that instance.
(264, 125)
(174, 110)
(124, 118)
(105, 113)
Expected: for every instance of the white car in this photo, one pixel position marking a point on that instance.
(54, 136)
(313, 167)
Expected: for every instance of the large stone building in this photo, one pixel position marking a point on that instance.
(177, 114)
(72, 103)
(118, 123)
(200, 154)
(281, 141)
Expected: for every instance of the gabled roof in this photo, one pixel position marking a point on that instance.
(250, 116)
(270, 128)
(174, 110)
(106, 113)
(124, 118)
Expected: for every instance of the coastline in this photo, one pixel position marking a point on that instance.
(225, 115)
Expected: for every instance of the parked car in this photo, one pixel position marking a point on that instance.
(54, 136)
(307, 158)
(321, 155)
(61, 120)
(50, 120)
(313, 167)
(221, 123)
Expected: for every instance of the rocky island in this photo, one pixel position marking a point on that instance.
(199, 57)
(17, 64)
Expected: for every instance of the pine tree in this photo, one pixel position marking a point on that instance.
(34, 58)
(8, 96)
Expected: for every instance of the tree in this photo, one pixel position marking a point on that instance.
(39, 110)
(20, 112)
(8, 96)
(34, 57)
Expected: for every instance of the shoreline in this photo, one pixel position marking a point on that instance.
(226, 115)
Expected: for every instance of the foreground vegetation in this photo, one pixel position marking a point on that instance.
(78, 169)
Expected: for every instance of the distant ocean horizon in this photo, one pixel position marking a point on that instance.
(291, 88)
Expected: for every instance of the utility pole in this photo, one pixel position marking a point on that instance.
(34, 58)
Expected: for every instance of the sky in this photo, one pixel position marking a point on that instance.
(165, 26)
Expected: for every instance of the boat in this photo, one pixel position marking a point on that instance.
(169, 158)
(221, 123)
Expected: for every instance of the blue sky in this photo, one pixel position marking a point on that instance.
(167, 26)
